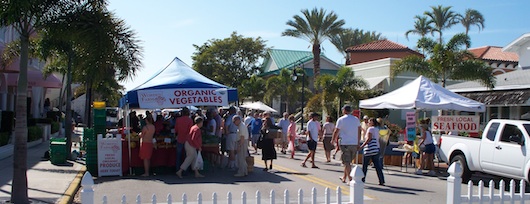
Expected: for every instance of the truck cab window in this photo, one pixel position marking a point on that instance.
(492, 131)
(510, 131)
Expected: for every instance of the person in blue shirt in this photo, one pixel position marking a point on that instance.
(255, 128)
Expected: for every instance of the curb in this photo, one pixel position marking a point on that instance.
(70, 192)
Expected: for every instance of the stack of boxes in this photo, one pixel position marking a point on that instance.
(90, 136)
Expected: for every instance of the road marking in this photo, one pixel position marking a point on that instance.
(345, 191)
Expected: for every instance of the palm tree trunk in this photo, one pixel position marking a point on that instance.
(316, 65)
(88, 103)
(68, 115)
(19, 189)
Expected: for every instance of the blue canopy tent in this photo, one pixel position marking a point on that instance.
(177, 75)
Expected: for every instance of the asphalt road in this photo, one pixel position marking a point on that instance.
(287, 174)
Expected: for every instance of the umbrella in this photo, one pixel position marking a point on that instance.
(258, 106)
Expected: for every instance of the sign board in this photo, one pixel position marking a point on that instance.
(181, 97)
(411, 126)
(109, 156)
(458, 123)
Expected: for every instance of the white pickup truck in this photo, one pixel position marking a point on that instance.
(501, 151)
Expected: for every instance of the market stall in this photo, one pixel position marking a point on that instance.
(175, 86)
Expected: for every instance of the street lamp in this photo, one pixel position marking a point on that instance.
(294, 77)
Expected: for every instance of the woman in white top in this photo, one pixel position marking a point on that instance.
(328, 129)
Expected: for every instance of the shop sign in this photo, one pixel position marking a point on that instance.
(458, 123)
(411, 126)
(109, 156)
(182, 97)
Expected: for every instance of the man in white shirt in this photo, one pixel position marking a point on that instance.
(348, 131)
(284, 124)
(312, 131)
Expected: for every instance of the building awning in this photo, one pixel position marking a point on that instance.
(501, 98)
(373, 82)
(35, 78)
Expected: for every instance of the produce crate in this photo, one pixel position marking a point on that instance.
(100, 113)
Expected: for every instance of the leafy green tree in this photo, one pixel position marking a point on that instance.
(447, 61)
(253, 88)
(25, 17)
(345, 86)
(352, 37)
(229, 61)
(443, 18)
(472, 17)
(315, 26)
(422, 27)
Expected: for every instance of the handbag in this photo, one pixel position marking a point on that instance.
(259, 143)
(199, 162)
(371, 149)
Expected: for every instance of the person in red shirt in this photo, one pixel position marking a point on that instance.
(192, 146)
(182, 130)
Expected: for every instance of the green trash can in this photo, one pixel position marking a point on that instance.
(58, 152)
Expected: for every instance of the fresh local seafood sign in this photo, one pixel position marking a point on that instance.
(176, 98)
(460, 123)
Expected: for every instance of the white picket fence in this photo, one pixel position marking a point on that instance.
(356, 193)
(454, 190)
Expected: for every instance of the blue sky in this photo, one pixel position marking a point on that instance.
(169, 28)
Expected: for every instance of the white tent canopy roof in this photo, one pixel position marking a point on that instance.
(258, 106)
(422, 94)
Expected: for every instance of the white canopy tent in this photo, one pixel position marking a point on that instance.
(422, 93)
(258, 106)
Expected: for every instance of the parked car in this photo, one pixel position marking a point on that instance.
(112, 117)
(501, 150)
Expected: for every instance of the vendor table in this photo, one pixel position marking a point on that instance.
(164, 156)
(405, 152)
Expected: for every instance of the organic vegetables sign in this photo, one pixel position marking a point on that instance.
(175, 98)
(109, 156)
(459, 123)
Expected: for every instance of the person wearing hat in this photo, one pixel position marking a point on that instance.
(346, 134)
(312, 139)
(427, 157)
(364, 125)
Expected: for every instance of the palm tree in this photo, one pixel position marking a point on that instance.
(282, 85)
(253, 88)
(352, 37)
(472, 17)
(314, 26)
(422, 27)
(25, 17)
(345, 86)
(447, 61)
(443, 18)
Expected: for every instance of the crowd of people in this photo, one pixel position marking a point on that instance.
(241, 137)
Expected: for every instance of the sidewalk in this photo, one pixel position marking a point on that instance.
(47, 183)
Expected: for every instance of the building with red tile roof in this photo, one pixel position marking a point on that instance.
(500, 61)
(377, 50)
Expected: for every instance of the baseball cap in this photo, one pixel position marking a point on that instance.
(365, 117)
(347, 108)
(313, 114)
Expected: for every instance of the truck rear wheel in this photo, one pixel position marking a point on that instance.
(466, 173)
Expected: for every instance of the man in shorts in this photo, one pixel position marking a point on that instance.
(348, 130)
(284, 124)
(255, 131)
(312, 132)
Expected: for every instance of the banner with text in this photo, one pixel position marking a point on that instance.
(459, 123)
(411, 126)
(109, 156)
(176, 98)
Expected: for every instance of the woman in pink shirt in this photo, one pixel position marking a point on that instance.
(291, 134)
(192, 145)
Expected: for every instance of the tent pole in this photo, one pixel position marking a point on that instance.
(128, 134)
